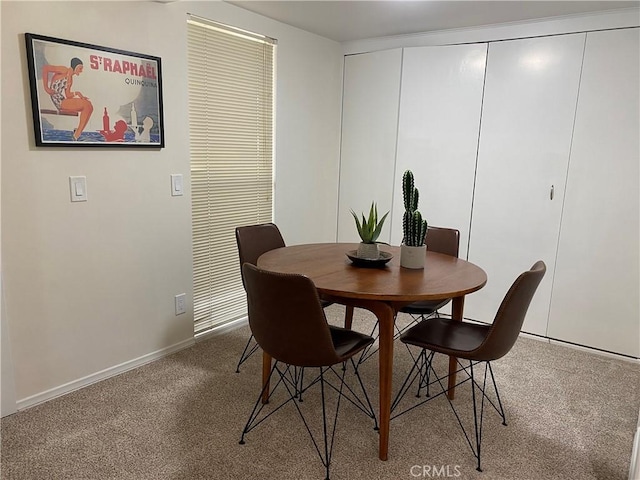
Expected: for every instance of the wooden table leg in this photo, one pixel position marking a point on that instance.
(266, 369)
(348, 317)
(385, 315)
(457, 307)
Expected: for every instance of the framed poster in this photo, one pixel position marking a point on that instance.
(86, 95)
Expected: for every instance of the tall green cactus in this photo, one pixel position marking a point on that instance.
(409, 192)
(413, 226)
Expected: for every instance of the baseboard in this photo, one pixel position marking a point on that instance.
(221, 329)
(595, 351)
(102, 375)
(533, 336)
(582, 348)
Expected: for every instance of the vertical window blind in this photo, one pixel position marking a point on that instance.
(231, 90)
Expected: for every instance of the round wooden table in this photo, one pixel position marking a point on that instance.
(383, 291)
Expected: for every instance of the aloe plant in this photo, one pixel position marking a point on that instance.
(369, 229)
(413, 225)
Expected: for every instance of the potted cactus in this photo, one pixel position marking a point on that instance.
(414, 227)
(369, 230)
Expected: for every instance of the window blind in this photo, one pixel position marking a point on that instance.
(231, 85)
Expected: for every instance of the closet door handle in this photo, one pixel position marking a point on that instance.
(551, 193)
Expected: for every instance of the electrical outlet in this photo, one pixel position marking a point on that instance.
(181, 303)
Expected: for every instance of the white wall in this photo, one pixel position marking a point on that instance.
(89, 287)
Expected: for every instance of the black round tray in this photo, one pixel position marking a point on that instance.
(379, 262)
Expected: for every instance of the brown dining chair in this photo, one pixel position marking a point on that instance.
(253, 241)
(476, 343)
(439, 240)
(288, 322)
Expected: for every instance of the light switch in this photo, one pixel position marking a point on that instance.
(176, 184)
(78, 188)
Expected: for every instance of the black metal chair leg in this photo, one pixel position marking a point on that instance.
(246, 353)
(406, 385)
(478, 429)
(424, 379)
(254, 415)
(292, 382)
(326, 459)
(495, 389)
(325, 456)
(369, 410)
(300, 384)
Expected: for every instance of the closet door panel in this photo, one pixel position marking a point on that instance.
(529, 107)
(440, 103)
(371, 95)
(596, 288)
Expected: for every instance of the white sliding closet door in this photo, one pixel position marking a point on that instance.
(369, 126)
(440, 104)
(528, 112)
(597, 286)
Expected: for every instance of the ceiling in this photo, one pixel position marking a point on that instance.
(355, 20)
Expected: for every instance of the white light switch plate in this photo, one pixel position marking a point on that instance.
(176, 185)
(78, 189)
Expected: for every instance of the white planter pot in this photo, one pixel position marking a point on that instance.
(368, 251)
(413, 257)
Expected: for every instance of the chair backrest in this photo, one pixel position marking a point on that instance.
(286, 318)
(506, 326)
(443, 240)
(254, 240)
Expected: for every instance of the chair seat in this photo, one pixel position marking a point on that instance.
(424, 307)
(348, 342)
(446, 336)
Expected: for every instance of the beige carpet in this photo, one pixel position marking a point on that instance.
(571, 415)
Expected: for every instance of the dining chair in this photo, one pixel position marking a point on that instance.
(289, 323)
(476, 343)
(440, 240)
(253, 241)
